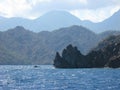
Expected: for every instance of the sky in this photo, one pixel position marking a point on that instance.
(93, 10)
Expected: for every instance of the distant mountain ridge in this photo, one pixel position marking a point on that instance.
(111, 23)
(58, 19)
(21, 46)
(48, 22)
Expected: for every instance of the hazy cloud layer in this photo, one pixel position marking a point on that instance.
(95, 10)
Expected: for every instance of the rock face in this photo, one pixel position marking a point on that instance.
(60, 62)
(106, 54)
(71, 58)
(114, 62)
(110, 49)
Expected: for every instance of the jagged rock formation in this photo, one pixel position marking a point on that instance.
(60, 62)
(106, 54)
(71, 58)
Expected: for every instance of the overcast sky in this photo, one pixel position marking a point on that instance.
(94, 10)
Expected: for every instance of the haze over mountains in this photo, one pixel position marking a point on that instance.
(21, 46)
(58, 19)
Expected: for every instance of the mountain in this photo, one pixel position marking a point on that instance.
(7, 23)
(22, 46)
(106, 54)
(111, 23)
(58, 19)
(47, 22)
(16, 43)
(54, 20)
(108, 33)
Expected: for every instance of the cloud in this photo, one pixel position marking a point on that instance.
(96, 15)
(34, 2)
(14, 8)
(74, 4)
(95, 10)
(49, 5)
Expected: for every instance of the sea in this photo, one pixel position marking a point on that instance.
(46, 77)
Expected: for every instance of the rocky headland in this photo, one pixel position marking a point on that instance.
(106, 54)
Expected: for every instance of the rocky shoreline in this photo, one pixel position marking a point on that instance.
(106, 54)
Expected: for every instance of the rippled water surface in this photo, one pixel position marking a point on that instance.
(48, 78)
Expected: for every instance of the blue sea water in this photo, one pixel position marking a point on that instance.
(45, 77)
